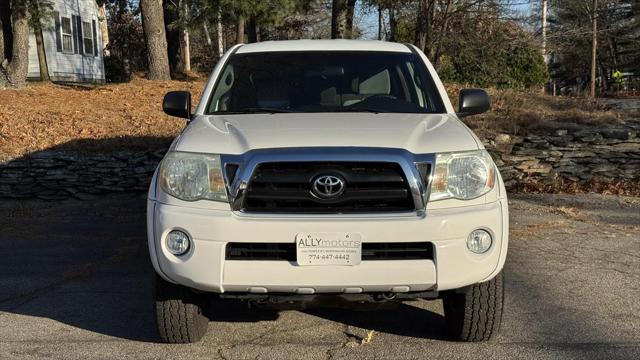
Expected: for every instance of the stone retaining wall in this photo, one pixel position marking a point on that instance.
(55, 175)
(579, 155)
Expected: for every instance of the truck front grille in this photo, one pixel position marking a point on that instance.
(287, 187)
(370, 251)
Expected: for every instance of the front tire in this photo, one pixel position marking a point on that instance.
(180, 313)
(475, 313)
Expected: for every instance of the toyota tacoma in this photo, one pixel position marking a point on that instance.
(326, 169)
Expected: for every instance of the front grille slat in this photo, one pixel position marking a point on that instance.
(382, 194)
(370, 251)
(294, 177)
(370, 187)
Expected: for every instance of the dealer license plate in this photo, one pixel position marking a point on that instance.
(328, 248)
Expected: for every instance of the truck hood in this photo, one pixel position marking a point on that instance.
(237, 134)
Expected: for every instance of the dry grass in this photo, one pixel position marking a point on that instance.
(522, 112)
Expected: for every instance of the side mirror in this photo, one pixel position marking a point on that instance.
(472, 102)
(178, 104)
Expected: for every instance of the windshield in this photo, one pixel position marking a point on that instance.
(270, 82)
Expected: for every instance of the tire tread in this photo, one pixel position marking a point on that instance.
(475, 315)
(179, 314)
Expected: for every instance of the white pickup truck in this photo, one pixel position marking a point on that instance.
(327, 168)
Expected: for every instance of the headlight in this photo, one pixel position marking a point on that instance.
(191, 176)
(464, 175)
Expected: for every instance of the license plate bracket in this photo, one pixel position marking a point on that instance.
(328, 248)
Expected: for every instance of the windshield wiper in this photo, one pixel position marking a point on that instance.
(256, 110)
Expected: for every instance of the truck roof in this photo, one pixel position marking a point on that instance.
(323, 45)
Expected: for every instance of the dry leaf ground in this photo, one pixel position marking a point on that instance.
(128, 115)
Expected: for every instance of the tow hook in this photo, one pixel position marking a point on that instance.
(387, 296)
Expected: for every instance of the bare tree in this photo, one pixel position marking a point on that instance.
(156, 38)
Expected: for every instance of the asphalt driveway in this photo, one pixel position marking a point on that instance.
(76, 282)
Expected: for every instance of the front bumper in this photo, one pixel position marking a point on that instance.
(204, 267)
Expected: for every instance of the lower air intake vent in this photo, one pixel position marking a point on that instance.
(370, 251)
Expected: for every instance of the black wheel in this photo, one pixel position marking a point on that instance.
(180, 313)
(475, 313)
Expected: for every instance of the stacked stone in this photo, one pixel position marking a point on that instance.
(580, 155)
(576, 154)
(56, 175)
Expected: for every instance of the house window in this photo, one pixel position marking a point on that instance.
(87, 36)
(67, 36)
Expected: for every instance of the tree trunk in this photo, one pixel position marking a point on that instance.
(15, 72)
(393, 24)
(42, 56)
(594, 45)
(380, 22)
(252, 31)
(604, 77)
(207, 36)
(186, 49)
(220, 34)
(351, 6)
(342, 19)
(2, 21)
(544, 30)
(240, 30)
(5, 31)
(2, 55)
(153, 24)
(424, 25)
(104, 29)
(173, 34)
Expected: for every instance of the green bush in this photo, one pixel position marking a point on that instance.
(525, 65)
(498, 56)
(116, 70)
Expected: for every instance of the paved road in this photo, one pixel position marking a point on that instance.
(75, 282)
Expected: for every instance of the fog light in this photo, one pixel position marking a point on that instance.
(178, 242)
(479, 241)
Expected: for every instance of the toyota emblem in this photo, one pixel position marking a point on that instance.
(328, 186)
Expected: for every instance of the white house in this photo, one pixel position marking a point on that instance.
(73, 44)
